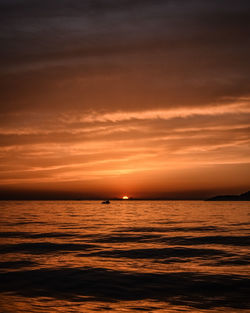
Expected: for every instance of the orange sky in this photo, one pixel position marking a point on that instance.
(144, 98)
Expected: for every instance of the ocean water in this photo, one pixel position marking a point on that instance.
(129, 256)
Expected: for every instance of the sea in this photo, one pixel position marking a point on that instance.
(126, 256)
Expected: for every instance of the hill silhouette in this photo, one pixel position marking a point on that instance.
(242, 197)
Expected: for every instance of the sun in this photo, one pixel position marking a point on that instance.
(125, 197)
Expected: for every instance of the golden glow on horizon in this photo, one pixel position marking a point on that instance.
(125, 197)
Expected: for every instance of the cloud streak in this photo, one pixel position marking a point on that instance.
(116, 93)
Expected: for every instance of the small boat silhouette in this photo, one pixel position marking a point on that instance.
(106, 202)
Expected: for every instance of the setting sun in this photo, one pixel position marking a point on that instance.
(125, 197)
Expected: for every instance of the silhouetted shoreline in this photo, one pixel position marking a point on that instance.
(242, 197)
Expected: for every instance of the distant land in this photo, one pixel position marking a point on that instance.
(37, 197)
(243, 197)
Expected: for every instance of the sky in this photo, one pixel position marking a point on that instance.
(106, 98)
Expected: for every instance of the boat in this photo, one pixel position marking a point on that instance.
(106, 202)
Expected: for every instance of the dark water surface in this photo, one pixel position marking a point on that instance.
(129, 256)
